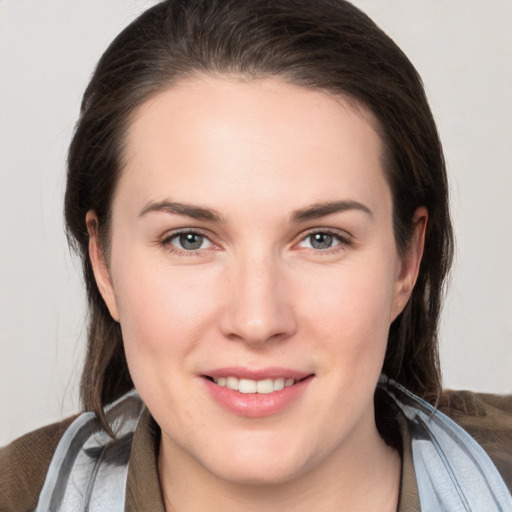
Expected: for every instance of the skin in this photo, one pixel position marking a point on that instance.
(258, 293)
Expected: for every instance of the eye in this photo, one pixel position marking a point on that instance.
(322, 241)
(188, 241)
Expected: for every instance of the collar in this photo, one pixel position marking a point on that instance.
(91, 471)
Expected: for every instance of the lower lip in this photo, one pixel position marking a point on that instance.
(256, 405)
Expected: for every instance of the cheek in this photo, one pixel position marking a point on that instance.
(357, 298)
(349, 316)
(164, 313)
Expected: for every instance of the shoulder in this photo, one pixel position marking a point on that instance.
(488, 419)
(24, 464)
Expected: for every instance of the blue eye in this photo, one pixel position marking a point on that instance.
(321, 240)
(190, 241)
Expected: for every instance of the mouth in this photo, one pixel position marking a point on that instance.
(256, 393)
(250, 386)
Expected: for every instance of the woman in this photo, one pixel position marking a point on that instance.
(259, 198)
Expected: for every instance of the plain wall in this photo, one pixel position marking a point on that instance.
(48, 48)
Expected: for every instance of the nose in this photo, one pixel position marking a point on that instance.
(259, 305)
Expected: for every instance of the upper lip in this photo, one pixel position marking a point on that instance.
(257, 374)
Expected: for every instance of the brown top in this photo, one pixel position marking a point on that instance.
(24, 463)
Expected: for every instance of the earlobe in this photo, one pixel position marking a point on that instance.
(99, 265)
(410, 264)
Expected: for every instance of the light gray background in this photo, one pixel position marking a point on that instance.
(48, 48)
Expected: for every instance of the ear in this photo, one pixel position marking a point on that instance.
(99, 265)
(410, 263)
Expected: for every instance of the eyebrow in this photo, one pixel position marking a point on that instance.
(195, 212)
(312, 212)
(319, 210)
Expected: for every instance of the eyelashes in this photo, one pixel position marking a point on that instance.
(188, 242)
(195, 242)
(325, 241)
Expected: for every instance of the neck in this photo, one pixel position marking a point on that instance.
(364, 474)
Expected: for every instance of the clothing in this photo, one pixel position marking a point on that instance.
(24, 463)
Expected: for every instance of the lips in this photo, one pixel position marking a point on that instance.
(256, 393)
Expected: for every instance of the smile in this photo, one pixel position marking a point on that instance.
(246, 386)
(256, 393)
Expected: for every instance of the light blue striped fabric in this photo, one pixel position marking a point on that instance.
(89, 469)
(453, 472)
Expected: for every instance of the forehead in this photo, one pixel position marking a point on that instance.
(227, 138)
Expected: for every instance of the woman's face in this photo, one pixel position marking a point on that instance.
(252, 247)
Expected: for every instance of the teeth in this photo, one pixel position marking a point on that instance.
(254, 386)
(265, 386)
(232, 383)
(279, 384)
(247, 386)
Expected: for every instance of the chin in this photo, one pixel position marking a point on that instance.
(258, 464)
(255, 474)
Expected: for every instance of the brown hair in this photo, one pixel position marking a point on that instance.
(326, 44)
